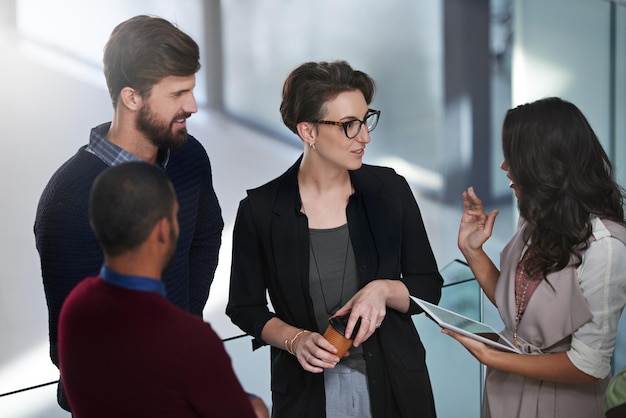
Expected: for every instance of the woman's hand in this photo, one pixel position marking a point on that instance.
(315, 353)
(476, 226)
(476, 348)
(370, 304)
(552, 367)
(475, 229)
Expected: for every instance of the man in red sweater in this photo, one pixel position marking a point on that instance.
(124, 349)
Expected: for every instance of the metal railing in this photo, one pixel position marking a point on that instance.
(460, 292)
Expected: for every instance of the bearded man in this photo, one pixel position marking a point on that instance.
(150, 68)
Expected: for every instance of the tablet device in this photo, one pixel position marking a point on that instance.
(466, 326)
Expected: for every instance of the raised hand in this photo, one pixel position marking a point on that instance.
(476, 226)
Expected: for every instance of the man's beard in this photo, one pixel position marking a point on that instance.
(161, 135)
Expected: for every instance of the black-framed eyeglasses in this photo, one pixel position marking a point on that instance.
(352, 127)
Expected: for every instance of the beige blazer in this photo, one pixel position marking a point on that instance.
(551, 317)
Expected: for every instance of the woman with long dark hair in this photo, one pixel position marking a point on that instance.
(561, 285)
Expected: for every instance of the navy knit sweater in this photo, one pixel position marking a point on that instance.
(69, 250)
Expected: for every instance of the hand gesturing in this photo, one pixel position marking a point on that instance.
(476, 226)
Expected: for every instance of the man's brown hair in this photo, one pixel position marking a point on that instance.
(145, 49)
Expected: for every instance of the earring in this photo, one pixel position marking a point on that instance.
(312, 145)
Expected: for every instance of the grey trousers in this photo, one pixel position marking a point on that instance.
(347, 394)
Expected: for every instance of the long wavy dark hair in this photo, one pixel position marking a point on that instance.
(564, 177)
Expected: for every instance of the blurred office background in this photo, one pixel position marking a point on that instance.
(446, 70)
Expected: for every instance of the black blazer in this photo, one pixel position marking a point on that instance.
(271, 253)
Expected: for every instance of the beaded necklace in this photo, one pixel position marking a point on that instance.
(520, 301)
(524, 288)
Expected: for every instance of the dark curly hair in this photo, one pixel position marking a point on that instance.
(312, 84)
(564, 177)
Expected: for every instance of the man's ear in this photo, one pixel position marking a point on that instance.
(130, 98)
(307, 132)
(162, 229)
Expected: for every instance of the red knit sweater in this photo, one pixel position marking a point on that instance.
(129, 353)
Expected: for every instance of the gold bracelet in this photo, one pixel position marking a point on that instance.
(293, 340)
(290, 347)
(287, 344)
(299, 332)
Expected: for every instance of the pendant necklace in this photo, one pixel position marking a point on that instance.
(334, 309)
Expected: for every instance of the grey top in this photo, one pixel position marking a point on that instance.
(333, 280)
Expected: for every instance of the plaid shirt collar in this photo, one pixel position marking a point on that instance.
(113, 155)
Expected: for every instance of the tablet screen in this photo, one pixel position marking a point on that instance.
(464, 325)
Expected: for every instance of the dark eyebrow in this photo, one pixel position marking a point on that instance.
(353, 118)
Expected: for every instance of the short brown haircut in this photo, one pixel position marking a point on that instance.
(143, 50)
(312, 84)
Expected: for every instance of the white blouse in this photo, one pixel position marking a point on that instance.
(602, 278)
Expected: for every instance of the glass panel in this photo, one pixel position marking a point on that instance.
(420, 83)
(34, 403)
(251, 367)
(70, 34)
(453, 370)
(398, 43)
(619, 356)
